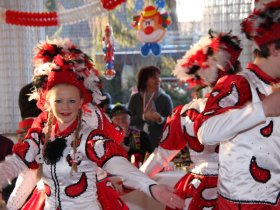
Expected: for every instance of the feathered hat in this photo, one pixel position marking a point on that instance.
(263, 24)
(209, 59)
(60, 61)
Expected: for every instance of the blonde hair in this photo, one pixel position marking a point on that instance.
(47, 139)
(76, 138)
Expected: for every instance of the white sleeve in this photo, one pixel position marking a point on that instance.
(10, 169)
(131, 176)
(25, 184)
(225, 126)
(157, 161)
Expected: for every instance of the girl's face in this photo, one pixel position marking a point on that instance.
(65, 102)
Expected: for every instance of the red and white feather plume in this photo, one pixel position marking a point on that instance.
(208, 59)
(263, 24)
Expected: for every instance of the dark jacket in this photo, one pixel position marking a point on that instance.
(163, 105)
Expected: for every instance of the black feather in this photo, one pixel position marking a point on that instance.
(54, 150)
(194, 69)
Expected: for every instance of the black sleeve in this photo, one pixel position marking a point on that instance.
(168, 106)
(134, 106)
(146, 143)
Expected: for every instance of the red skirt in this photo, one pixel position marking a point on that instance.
(199, 191)
(107, 197)
(227, 204)
(36, 201)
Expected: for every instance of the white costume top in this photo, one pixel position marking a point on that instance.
(249, 154)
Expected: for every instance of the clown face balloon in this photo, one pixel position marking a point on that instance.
(151, 28)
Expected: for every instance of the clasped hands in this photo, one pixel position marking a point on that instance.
(152, 116)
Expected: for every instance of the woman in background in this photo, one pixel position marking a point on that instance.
(151, 105)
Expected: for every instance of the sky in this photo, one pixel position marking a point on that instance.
(189, 10)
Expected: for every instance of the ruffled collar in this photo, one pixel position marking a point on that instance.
(66, 131)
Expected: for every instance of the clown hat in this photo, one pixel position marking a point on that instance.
(60, 61)
(209, 59)
(263, 24)
(149, 12)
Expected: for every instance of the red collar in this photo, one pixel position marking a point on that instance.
(261, 74)
(66, 131)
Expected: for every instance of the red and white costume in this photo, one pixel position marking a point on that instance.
(27, 180)
(197, 67)
(249, 142)
(64, 188)
(198, 187)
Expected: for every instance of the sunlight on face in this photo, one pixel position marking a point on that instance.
(65, 101)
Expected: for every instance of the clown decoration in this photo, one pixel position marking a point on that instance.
(108, 49)
(151, 28)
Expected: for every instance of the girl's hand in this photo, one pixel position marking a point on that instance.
(166, 195)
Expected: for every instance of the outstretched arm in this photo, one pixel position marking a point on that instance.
(157, 161)
(10, 169)
(238, 120)
(229, 111)
(134, 178)
(112, 158)
(24, 157)
(227, 125)
(25, 184)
